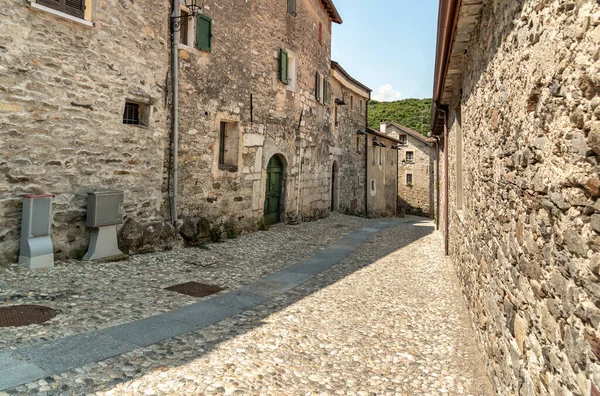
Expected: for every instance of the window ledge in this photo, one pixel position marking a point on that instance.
(187, 47)
(229, 168)
(59, 14)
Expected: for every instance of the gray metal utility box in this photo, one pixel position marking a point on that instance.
(104, 208)
(36, 243)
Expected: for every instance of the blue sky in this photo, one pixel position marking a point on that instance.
(388, 42)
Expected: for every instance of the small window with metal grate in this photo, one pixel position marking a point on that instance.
(136, 114)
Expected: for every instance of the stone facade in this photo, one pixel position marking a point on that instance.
(64, 83)
(523, 204)
(382, 174)
(415, 173)
(63, 88)
(238, 82)
(349, 101)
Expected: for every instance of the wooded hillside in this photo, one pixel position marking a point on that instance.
(412, 113)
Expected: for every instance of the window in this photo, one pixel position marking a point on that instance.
(380, 156)
(351, 103)
(409, 179)
(410, 156)
(360, 108)
(321, 88)
(358, 144)
(136, 114)
(291, 5)
(372, 185)
(204, 32)
(184, 32)
(228, 146)
(74, 8)
(402, 139)
(320, 33)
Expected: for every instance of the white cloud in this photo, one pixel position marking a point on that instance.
(387, 93)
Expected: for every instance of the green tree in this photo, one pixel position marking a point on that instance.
(411, 113)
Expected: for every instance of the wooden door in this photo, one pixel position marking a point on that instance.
(273, 194)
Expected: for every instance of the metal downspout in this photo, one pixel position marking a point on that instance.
(175, 107)
(367, 157)
(446, 216)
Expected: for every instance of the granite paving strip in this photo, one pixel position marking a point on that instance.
(15, 372)
(62, 355)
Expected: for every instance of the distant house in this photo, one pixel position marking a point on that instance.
(415, 170)
(382, 173)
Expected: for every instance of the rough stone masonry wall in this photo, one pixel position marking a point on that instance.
(63, 88)
(528, 248)
(216, 87)
(352, 171)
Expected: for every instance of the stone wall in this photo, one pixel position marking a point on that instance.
(286, 120)
(352, 156)
(382, 177)
(526, 242)
(63, 87)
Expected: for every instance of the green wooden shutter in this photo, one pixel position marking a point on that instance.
(318, 87)
(283, 66)
(325, 91)
(204, 32)
(292, 7)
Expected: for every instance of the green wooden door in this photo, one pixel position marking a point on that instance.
(273, 193)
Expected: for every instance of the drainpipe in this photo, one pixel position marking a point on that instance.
(175, 107)
(446, 216)
(299, 181)
(436, 182)
(367, 157)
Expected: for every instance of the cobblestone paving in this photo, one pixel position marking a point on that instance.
(91, 296)
(389, 319)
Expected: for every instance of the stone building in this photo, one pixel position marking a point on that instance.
(517, 114)
(86, 102)
(349, 100)
(415, 170)
(382, 173)
(255, 121)
(66, 75)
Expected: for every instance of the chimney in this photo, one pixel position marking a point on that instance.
(382, 126)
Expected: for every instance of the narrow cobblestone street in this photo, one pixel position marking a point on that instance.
(376, 323)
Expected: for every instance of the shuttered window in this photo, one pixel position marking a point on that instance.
(75, 8)
(321, 88)
(283, 66)
(318, 86)
(291, 7)
(204, 33)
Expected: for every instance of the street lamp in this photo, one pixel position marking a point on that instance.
(194, 9)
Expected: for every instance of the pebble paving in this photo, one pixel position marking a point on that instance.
(388, 320)
(92, 296)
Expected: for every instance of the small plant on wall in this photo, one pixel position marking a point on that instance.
(216, 232)
(262, 224)
(231, 229)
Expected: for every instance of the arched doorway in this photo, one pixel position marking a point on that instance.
(334, 182)
(273, 194)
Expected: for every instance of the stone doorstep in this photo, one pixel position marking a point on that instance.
(54, 357)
